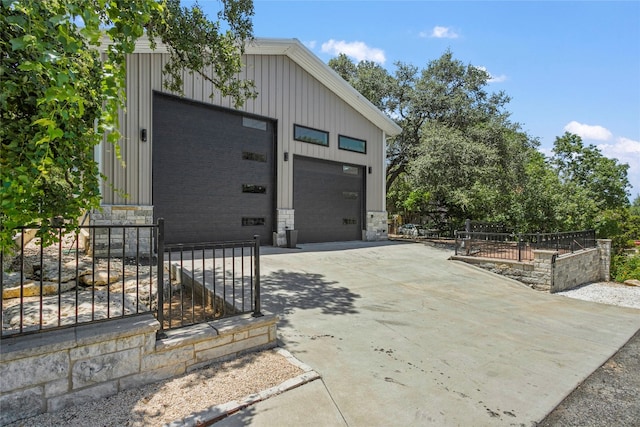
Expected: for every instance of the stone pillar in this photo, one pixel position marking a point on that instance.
(543, 267)
(376, 226)
(604, 250)
(134, 241)
(286, 221)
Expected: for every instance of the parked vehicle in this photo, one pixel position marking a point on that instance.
(409, 230)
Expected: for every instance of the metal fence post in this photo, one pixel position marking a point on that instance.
(520, 242)
(160, 309)
(455, 234)
(256, 294)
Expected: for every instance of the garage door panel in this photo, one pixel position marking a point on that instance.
(327, 200)
(199, 170)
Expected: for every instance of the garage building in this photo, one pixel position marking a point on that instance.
(307, 154)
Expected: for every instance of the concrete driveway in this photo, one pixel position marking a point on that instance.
(404, 337)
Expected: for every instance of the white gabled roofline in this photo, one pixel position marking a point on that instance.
(302, 56)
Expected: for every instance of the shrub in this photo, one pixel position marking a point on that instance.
(624, 267)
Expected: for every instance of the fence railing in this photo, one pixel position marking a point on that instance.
(520, 247)
(209, 281)
(104, 272)
(98, 273)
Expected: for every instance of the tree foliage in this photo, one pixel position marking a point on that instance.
(367, 77)
(60, 97)
(604, 179)
(447, 93)
(460, 156)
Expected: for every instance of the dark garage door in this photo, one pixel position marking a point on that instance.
(328, 198)
(213, 172)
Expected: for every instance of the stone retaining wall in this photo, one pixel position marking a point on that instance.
(550, 271)
(48, 371)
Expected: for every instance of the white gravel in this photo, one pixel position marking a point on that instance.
(607, 293)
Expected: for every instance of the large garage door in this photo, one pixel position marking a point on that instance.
(213, 172)
(328, 199)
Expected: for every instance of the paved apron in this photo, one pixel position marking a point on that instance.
(404, 337)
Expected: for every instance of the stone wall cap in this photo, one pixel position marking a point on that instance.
(482, 260)
(244, 322)
(186, 335)
(44, 342)
(545, 251)
(116, 328)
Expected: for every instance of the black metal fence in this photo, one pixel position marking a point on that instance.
(520, 247)
(104, 272)
(208, 281)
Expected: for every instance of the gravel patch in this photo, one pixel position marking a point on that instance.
(607, 293)
(208, 392)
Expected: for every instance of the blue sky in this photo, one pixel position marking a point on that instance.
(567, 65)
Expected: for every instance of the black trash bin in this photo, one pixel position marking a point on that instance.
(292, 238)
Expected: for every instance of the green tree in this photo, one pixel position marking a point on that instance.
(367, 77)
(604, 180)
(635, 206)
(59, 97)
(446, 92)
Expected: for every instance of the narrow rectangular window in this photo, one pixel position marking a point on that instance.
(252, 188)
(350, 170)
(352, 144)
(256, 157)
(312, 136)
(350, 195)
(249, 222)
(248, 122)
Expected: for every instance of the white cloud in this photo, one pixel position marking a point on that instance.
(357, 50)
(310, 44)
(493, 79)
(626, 151)
(439, 32)
(497, 79)
(598, 133)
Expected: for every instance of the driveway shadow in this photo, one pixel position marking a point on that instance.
(283, 292)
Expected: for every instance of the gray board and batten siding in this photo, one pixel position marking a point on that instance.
(294, 88)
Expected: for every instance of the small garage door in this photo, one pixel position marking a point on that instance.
(213, 172)
(328, 198)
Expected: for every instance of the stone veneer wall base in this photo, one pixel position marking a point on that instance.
(134, 242)
(48, 371)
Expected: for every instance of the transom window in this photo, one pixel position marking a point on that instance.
(352, 144)
(310, 135)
